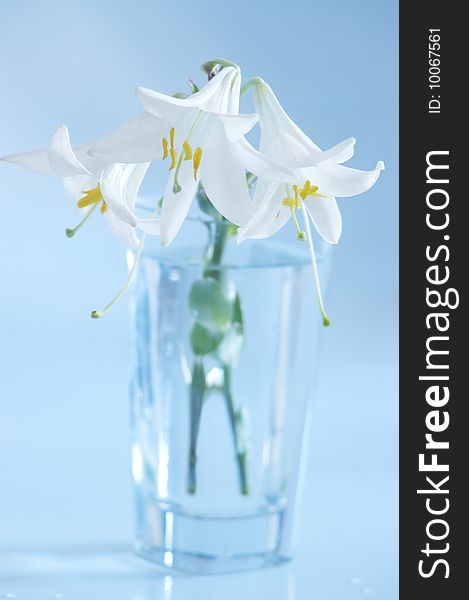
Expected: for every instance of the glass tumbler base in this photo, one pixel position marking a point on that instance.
(201, 544)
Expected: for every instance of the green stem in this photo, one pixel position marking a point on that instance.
(216, 250)
(241, 454)
(251, 83)
(196, 403)
(198, 390)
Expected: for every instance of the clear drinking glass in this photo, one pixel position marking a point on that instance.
(217, 438)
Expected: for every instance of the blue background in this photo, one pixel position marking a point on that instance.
(65, 494)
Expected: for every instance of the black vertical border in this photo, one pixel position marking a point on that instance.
(420, 133)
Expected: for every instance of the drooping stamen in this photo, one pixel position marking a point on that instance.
(71, 232)
(293, 204)
(187, 150)
(90, 197)
(196, 160)
(325, 319)
(165, 148)
(171, 137)
(104, 208)
(96, 314)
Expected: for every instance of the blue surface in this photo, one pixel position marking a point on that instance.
(65, 494)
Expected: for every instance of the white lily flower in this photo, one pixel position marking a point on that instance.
(320, 176)
(319, 179)
(81, 175)
(203, 138)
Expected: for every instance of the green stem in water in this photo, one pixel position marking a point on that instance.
(196, 403)
(96, 314)
(71, 232)
(216, 250)
(197, 390)
(325, 319)
(241, 454)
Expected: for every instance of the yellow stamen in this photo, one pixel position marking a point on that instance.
(187, 150)
(165, 148)
(91, 197)
(196, 159)
(172, 151)
(104, 208)
(171, 137)
(292, 202)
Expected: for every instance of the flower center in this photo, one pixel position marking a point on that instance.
(295, 202)
(91, 198)
(185, 153)
(303, 193)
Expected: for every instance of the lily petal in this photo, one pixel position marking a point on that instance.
(59, 159)
(224, 177)
(339, 153)
(211, 98)
(124, 231)
(260, 165)
(236, 126)
(177, 205)
(137, 141)
(76, 185)
(34, 161)
(62, 158)
(326, 217)
(281, 137)
(119, 186)
(337, 180)
(270, 216)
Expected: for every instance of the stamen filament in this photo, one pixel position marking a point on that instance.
(96, 314)
(325, 319)
(71, 232)
(300, 233)
(293, 204)
(176, 187)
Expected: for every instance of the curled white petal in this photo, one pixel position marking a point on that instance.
(120, 184)
(326, 217)
(61, 156)
(337, 180)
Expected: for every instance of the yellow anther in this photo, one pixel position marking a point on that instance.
(165, 148)
(91, 197)
(172, 151)
(104, 208)
(196, 159)
(171, 137)
(187, 150)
